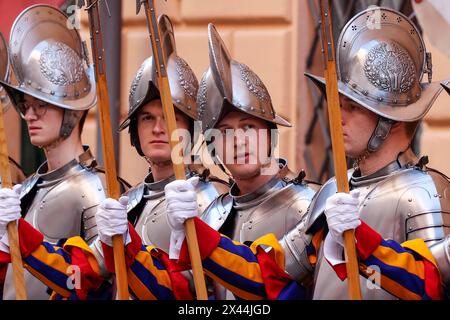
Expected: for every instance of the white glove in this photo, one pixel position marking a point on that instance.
(9, 211)
(111, 218)
(341, 210)
(181, 204)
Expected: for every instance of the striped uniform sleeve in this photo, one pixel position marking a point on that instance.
(151, 274)
(407, 270)
(251, 273)
(70, 271)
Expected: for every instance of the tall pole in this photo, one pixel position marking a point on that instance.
(169, 116)
(337, 140)
(113, 188)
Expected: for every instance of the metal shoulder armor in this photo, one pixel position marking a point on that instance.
(217, 212)
(279, 213)
(409, 204)
(317, 207)
(66, 207)
(426, 206)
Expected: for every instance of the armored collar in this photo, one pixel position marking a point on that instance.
(72, 167)
(404, 160)
(256, 197)
(154, 189)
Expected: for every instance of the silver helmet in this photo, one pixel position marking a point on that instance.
(4, 71)
(145, 88)
(50, 63)
(380, 66)
(182, 80)
(228, 82)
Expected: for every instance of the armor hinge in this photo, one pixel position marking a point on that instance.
(423, 161)
(299, 179)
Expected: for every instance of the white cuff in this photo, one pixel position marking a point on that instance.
(176, 241)
(333, 251)
(4, 243)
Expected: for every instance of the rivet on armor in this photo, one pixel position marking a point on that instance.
(252, 108)
(41, 207)
(99, 189)
(83, 196)
(189, 107)
(409, 200)
(43, 201)
(300, 211)
(64, 94)
(39, 88)
(380, 99)
(153, 220)
(220, 218)
(178, 101)
(77, 93)
(354, 85)
(395, 101)
(29, 82)
(365, 92)
(214, 118)
(410, 228)
(292, 239)
(250, 221)
(199, 205)
(52, 93)
(85, 89)
(249, 227)
(84, 208)
(435, 195)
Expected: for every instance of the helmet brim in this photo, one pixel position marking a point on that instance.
(413, 112)
(16, 93)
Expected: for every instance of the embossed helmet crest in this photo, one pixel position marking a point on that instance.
(182, 80)
(229, 82)
(48, 60)
(381, 65)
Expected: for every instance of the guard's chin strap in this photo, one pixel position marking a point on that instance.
(379, 134)
(70, 120)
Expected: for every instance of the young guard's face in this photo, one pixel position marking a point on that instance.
(153, 133)
(358, 125)
(43, 121)
(243, 152)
